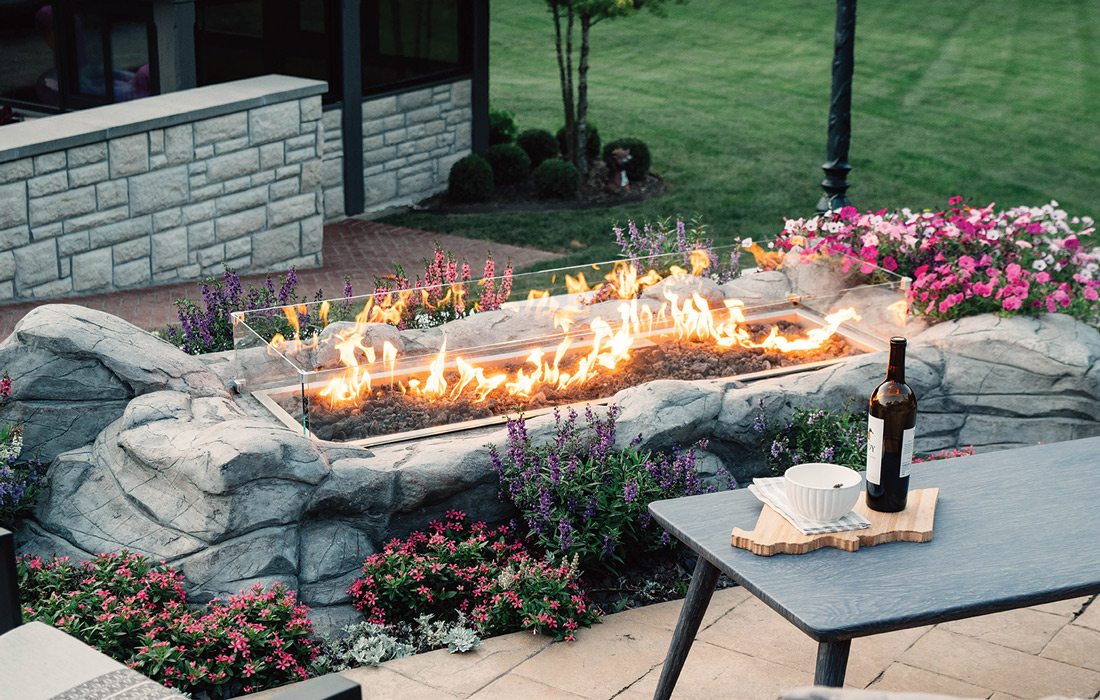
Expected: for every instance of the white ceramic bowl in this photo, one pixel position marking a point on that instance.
(822, 492)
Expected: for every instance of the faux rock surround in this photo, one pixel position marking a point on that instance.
(152, 452)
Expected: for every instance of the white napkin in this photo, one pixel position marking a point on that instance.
(773, 491)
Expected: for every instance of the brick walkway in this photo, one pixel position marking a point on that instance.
(358, 249)
(746, 651)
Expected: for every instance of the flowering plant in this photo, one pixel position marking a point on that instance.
(967, 260)
(469, 569)
(21, 481)
(662, 238)
(136, 612)
(443, 293)
(210, 328)
(813, 436)
(582, 497)
(371, 644)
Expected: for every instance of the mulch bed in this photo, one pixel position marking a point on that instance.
(390, 411)
(593, 195)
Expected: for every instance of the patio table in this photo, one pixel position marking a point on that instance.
(1013, 529)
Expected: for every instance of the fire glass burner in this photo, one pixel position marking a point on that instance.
(401, 364)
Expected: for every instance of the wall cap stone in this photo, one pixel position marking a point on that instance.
(49, 134)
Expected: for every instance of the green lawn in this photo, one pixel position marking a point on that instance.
(996, 100)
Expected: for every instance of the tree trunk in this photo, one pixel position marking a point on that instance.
(570, 116)
(566, 82)
(580, 155)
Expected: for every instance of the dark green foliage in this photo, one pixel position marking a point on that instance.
(510, 163)
(471, 180)
(556, 179)
(591, 141)
(502, 126)
(539, 144)
(638, 166)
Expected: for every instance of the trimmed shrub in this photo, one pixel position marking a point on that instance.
(539, 144)
(638, 166)
(591, 144)
(509, 162)
(502, 126)
(556, 179)
(471, 180)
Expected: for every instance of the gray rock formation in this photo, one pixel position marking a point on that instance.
(150, 452)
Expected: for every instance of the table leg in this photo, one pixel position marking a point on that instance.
(832, 663)
(695, 605)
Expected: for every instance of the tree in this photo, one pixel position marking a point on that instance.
(587, 13)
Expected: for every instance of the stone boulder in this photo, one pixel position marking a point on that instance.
(74, 370)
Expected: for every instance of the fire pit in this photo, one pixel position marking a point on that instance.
(376, 369)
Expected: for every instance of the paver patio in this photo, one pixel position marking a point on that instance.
(745, 650)
(356, 248)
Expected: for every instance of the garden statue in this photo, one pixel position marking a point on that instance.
(616, 167)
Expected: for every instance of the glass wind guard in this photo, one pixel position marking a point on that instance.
(406, 362)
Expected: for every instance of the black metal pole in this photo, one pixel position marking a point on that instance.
(479, 79)
(352, 107)
(836, 167)
(10, 614)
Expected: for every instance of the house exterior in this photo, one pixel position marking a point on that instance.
(393, 92)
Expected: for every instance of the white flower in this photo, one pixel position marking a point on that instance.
(1039, 265)
(993, 235)
(746, 242)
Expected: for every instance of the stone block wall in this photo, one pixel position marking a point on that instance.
(166, 189)
(410, 142)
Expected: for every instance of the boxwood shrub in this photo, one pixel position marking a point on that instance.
(556, 179)
(539, 144)
(502, 126)
(471, 180)
(509, 162)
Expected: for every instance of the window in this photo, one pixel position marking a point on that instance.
(406, 42)
(237, 39)
(64, 55)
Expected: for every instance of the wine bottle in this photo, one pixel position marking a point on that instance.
(891, 426)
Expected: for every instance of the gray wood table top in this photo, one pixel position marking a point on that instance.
(1013, 528)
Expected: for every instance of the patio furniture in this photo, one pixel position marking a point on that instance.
(1031, 511)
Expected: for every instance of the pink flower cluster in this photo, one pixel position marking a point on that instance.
(443, 294)
(137, 613)
(485, 574)
(967, 260)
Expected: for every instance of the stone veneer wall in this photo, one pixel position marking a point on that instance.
(410, 142)
(164, 189)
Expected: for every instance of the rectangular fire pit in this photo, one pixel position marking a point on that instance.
(333, 371)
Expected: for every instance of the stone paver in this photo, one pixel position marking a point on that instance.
(999, 668)
(358, 249)
(745, 651)
(901, 677)
(1024, 629)
(1090, 617)
(1076, 645)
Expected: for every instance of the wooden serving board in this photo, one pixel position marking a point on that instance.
(774, 535)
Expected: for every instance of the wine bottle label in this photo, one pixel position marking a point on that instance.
(906, 451)
(874, 450)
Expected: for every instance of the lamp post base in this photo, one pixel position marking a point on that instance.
(835, 185)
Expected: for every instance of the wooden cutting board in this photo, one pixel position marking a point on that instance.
(774, 535)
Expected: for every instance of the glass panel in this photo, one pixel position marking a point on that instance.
(238, 17)
(88, 34)
(130, 61)
(311, 16)
(29, 72)
(408, 41)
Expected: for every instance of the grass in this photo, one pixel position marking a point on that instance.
(995, 100)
